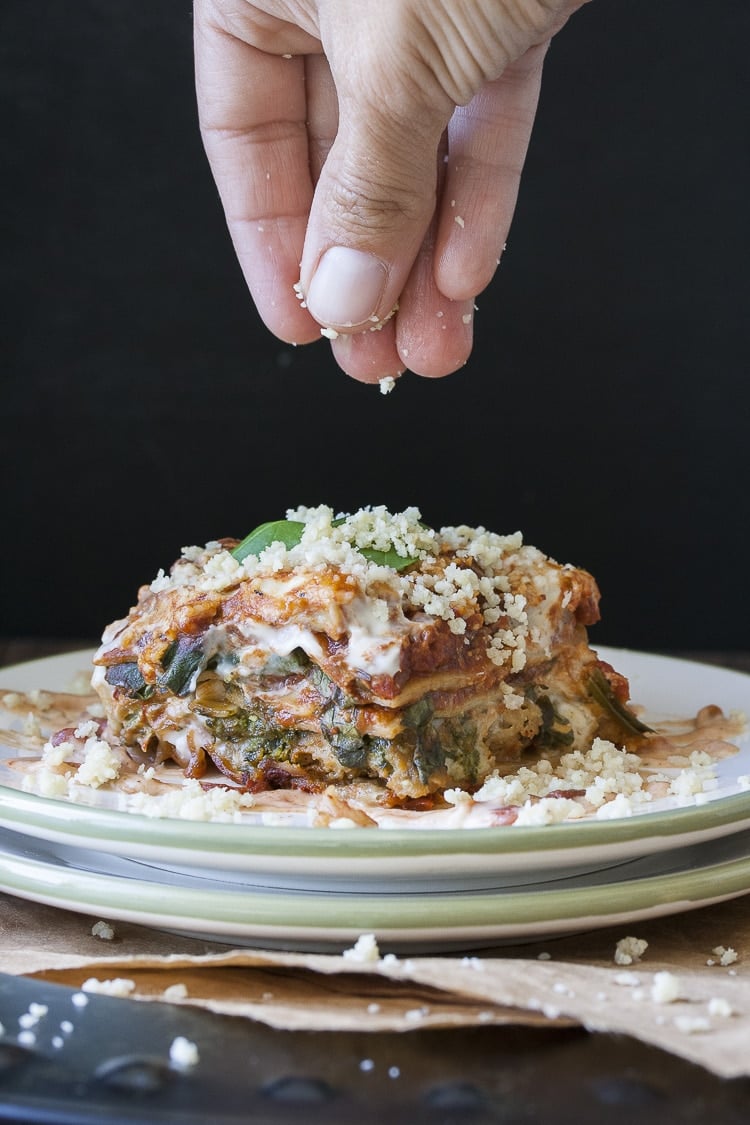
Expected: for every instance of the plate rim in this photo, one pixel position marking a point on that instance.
(258, 912)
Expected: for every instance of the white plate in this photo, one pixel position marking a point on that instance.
(378, 860)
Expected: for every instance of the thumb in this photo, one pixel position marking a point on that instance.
(376, 193)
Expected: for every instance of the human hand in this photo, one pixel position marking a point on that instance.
(369, 156)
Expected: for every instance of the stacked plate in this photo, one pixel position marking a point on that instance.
(307, 888)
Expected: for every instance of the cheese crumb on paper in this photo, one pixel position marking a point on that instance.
(115, 986)
(665, 988)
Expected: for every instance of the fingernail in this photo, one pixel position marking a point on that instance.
(347, 287)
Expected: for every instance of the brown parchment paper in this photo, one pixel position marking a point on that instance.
(575, 981)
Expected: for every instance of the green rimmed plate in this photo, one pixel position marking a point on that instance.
(446, 860)
(123, 890)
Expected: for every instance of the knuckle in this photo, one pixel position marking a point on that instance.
(361, 201)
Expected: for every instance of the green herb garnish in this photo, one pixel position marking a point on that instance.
(128, 676)
(600, 689)
(289, 532)
(180, 662)
(387, 558)
(556, 730)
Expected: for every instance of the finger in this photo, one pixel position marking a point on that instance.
(252, 110)
(434, 335)
(488, 140)
(375, 195)
(322, 112)
(370, 355)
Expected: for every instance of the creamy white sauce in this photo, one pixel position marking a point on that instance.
(375, 640)
(281, 639)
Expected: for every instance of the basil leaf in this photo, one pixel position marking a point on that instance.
(180, 662)
(383, 558)
(600, 689)
(556, 730)
(288, 532)
(128, 676)
(387, 558)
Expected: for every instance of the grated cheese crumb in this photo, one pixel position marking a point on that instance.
(191, 802)
(103, 930)
(386, 384)
(86, 729)
(32, 1017)
(665, 988)
(116, 986)
(726, 955)
(718, 1006)
(364, 949)
(100, 764)
(629, 950)
(175, 992)
(183, 1053)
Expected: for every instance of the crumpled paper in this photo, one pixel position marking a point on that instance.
(566, 981)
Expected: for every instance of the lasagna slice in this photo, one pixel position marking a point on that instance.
(366, 648)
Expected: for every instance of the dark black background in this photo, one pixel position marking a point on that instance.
(605, 409)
